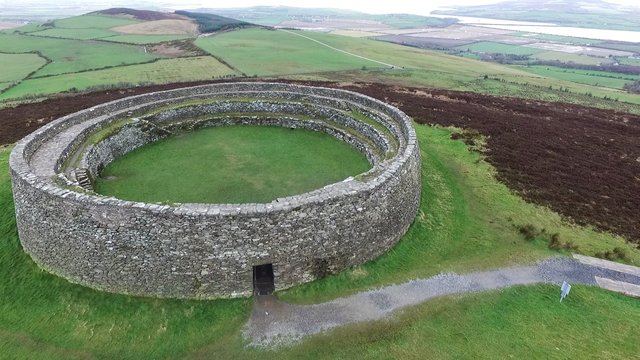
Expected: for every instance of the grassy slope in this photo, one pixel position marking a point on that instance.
(463, 226)
(170, 70)
(566, 57)
(17, 66)
(453, 72)
(73, 55)
(467, 221)
(492, 47)
(81, 34)
(582, 76)
(243, 164)
(264, 52)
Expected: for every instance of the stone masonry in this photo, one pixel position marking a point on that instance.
(207, 251)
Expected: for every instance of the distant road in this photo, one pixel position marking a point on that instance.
(342, 51)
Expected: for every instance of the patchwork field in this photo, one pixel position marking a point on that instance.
(497, 48)
(280, 53)
(596, 78)
(169, 70)
(567, 57)
(80, 34)
(16, 66)
(629, 61)
(354, 33)
(232, 165)
(72, 55)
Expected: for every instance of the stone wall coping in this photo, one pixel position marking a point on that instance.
(332, 192)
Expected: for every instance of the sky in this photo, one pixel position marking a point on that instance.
(418, 7)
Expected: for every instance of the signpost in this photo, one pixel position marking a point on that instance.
(565, 288)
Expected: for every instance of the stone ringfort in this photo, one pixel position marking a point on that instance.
(206, 251)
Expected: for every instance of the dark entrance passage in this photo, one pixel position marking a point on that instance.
(263, 279)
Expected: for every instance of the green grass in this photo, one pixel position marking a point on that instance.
(467, 222)
(75, 55)
(520, 85)
(280, 53)
(567, 39)
(17, 66)
(235, 164)
(628, 61)
(162, 71)
(566, 57)
(590, 77)
(92, 22)
(80, 34)
(146, 39)
(45, 317)
(497, 48)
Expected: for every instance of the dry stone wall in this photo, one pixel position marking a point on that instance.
(209, 250)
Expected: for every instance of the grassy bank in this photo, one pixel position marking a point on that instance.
(467, 222)
(233, 164)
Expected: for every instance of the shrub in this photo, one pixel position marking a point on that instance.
(529, 231)
(617, 254)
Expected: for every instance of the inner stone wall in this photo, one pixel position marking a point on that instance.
(208, 250)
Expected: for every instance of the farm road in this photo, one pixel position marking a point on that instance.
(342, 51)
(274, 321)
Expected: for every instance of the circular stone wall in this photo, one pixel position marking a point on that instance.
(210, 250)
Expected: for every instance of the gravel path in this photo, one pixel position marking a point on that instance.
(274, 321)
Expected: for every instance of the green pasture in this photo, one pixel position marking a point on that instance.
(467, 221)
(162, 71)
(145, 39)
(18, 66)
(590, 77)
(567, 57)
(79, 34)
(265, 52)
(566, 39)
(75, 55)
(92, 22)
(628, 61)
(497, 48)
(232, 164)
(4, 85)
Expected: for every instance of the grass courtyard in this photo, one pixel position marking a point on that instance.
(234, 164)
